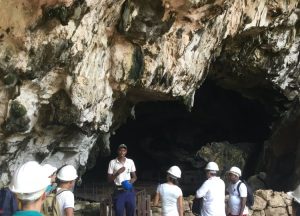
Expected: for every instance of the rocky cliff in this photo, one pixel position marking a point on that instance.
(71, 71)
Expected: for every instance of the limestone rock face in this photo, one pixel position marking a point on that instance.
(277, 200)
(259, 204)
(224, 154)
(71, 71)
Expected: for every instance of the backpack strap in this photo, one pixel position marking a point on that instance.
(61, 191)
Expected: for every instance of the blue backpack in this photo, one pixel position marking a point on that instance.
(250, 196)
(8, 202)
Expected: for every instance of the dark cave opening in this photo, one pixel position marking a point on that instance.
(165, 133)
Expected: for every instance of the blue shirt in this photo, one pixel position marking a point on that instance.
(27, 213)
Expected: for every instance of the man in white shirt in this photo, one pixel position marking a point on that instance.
(237, 193)
(121, 171)
(213, 192)
(66, 176)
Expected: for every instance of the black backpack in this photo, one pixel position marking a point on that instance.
(250, 196)
(197, 205)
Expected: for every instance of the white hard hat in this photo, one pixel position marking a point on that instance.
(212, 166)
(235, 171)
(29, 181)
(67, 173)
(295, 194)
(49, 169)
(175, 171)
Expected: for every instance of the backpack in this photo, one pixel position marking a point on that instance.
(50, 206)
(197, 206)
(250, 196)
(8, 202)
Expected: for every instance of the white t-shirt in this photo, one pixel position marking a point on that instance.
(213, 193)
(169, 195)
(234, 202)
(115, 165)
(65, 200)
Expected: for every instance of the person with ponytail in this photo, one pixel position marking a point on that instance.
(170, 194)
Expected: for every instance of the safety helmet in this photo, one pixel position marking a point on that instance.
(174, 171)
(49, 169)
(235, 171)
(67, 173)
(29, 181)
(295, 194)
(212, 166)
(122, 146)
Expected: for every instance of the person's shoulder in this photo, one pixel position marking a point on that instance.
(207, 182)
(162, 185)
(129, 160)
(65, 193)
(114, 160)
(243, 185)
(177, 188)
(172, 185)
(217, 178)
(69, 193)
(218, 181)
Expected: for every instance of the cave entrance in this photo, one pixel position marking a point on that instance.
(165, 133)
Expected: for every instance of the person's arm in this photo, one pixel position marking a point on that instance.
(243, 197)
(180, 205)
(202, 190)
(69, 211)
(113, 176)
(132, 172)
(133, 177)
(156, 199)
(243, 204)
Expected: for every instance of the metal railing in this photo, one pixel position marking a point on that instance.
(101, 193)
(143, 207)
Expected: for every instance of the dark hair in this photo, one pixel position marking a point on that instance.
(172, 179)
(212, 173)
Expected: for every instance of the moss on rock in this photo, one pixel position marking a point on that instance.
(17, 109)
(10, 79)
(13, 125)
(65, 112)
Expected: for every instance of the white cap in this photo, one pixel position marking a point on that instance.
(212, 166)
(67, 173)
(29, 181)
(235, 171)
(295, 194)
(175, 171)
(49, 169)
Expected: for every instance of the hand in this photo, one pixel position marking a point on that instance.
(127, 185)
(122, 169)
